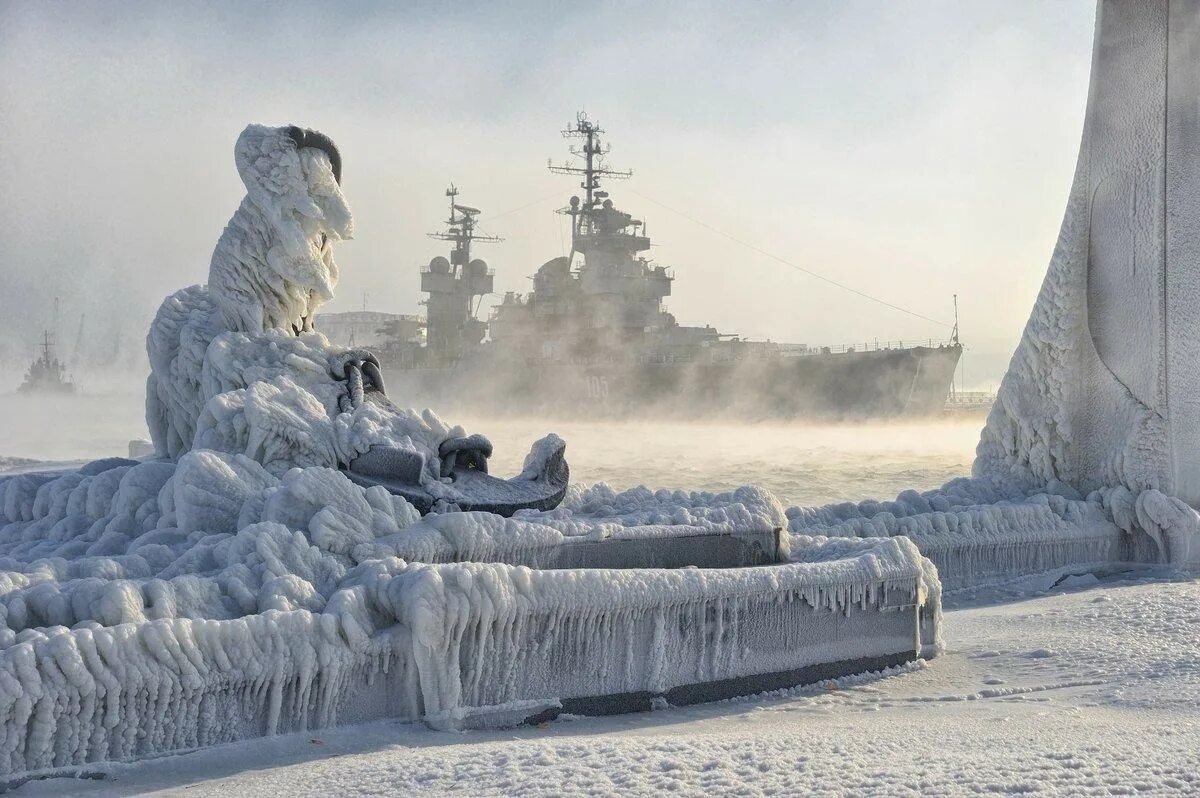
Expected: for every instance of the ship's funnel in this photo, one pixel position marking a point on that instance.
(1104, 388)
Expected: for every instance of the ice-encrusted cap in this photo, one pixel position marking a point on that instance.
(304, 137)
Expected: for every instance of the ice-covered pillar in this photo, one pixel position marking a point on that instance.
(1104, 388)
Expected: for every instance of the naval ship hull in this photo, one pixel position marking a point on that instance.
(885, 383)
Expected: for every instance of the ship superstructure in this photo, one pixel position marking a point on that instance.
(603, 301)
(593, 335)
(455, 286)
(47, 373)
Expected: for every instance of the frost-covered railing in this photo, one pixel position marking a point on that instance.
(975, 544)
(157, 606)
(804, 350)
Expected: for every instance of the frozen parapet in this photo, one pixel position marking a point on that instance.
(134, 594)
(301, 641)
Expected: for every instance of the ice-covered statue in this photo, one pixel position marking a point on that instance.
(291, 558)
(237, 366)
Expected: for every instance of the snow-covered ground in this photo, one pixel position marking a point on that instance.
(1086, 687)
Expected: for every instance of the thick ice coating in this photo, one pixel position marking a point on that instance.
(1092, 450)
(1101, 390)
(151, 606)
(236, 365)
(241, 585)
(273, 266)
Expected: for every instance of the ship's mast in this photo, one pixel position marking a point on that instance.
(954, 334)
(456, 287)
(595, 166)
(460, 229)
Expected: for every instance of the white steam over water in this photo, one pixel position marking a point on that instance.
(99, 423)
(801, 464)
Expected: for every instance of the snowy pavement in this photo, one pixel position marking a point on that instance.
(1089, 689)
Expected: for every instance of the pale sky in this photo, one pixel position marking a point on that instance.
(911, 150)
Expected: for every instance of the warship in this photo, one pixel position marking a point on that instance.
(593, 338)
(47, 374)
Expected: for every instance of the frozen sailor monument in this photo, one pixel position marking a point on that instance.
(236, 366)
(300, 552)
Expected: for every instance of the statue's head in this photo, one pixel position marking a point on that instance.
(320, 160)
(293, 177)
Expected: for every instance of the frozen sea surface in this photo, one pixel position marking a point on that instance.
(801, 464)
(1093, 689)
(72, 427)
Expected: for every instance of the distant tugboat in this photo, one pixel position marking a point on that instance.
(47, 374)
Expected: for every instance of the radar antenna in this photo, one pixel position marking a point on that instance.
(460, 229)
(595, 166)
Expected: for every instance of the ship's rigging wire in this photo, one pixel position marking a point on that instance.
(748, 245)
(537, 201)
(786, 262)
